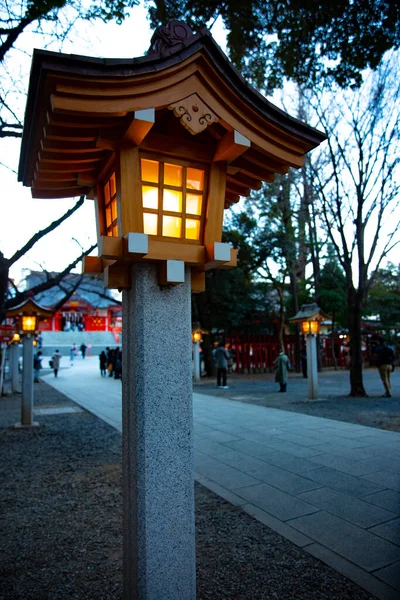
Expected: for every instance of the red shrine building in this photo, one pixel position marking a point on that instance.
(80, 302)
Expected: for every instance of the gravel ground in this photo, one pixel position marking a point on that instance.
(61, 521)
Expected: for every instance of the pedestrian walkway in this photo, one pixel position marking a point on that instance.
(330, 487)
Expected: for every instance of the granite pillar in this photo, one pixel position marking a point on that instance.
(312, 367)
(14, 355)
(157, 430)
(27, 384)
(196, 360)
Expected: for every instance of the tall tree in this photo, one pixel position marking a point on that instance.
(298, 39)
(359, 188)
(384, 297)
(52, 19)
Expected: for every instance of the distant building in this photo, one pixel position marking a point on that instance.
(88, 308)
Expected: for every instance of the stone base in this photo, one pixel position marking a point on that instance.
(21, 426)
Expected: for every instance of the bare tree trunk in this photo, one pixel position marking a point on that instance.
(354, 323)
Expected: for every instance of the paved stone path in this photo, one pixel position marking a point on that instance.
(332, 488)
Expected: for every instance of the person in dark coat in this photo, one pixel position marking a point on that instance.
(110, 361)
(103, 363)
(37, 365)
(281, 365)
(221, 357)
(384, 361)
(83, 349)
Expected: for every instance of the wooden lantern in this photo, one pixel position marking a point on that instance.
(310, 317)
(28, 314)
(162, 143)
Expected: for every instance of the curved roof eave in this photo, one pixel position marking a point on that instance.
(44, 61)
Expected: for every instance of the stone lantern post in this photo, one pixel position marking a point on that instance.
(27, 315)
(162, 144)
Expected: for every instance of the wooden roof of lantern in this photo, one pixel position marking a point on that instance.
(80, 109)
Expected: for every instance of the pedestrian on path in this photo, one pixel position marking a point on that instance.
(72, 354)
(281, 366)
(221, 357)
(103, 363)
(37, 365)
(384, 361)
(56, 359)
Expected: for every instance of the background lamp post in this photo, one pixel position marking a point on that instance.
(28, 314)
(163, 158)
(309, 317)
(14, 356)
(196, 337)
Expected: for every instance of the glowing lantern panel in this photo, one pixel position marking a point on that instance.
(28, 324)
(172, 196)
(110, 205)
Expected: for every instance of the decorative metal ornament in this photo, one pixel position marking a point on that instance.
(194, 114)
(166, 39)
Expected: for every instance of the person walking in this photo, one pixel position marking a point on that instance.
(56, 359)
(83, 349)
(103, 363)
(37, 365)
(110, 361)
(384, 361)
(221, 356)
(281, 366)
(72, 353)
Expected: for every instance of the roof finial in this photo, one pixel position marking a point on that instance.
(166, 39)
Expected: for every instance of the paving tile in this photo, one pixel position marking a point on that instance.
(294, 464)
(390, 575)
(347, 507)
(208, 446)
(355, 486)
(388, 499)
(220, 436)
(345, 465)
(288, 532)
(361, 547)
(292, 448)
(390, 531)
(282, 479)
(385, 479)
(275, 502)
(367, 581)
(302, 439)
(339, 450)
(222, 474)
(251, 448)
(383, 463)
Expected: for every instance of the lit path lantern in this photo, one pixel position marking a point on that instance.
(162, 143)
(14, 356)
(196, 338)
(310, 317)
(27, 315)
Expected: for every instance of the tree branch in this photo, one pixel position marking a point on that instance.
(45, 231)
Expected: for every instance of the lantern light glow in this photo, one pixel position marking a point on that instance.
(172, 196)
(310, 327)
(28, 323)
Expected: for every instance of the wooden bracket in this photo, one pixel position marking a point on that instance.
(117, 276)
(217, 253)
(233, 261)
(232, 145)
(136, 244)
(198, 281)
(171, 272)
(110, 247)
(140, 126)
